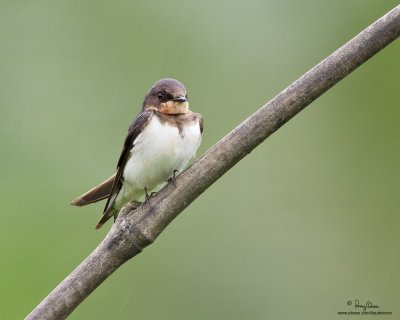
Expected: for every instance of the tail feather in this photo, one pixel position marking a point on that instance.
(106, 216)
(114, 212)
(102, 191)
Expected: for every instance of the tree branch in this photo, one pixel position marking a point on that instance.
(135, 229)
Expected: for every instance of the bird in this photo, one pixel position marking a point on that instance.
(160, 143)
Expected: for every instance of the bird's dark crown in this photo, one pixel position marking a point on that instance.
(167, 96)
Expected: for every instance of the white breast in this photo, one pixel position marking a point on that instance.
(156, 153)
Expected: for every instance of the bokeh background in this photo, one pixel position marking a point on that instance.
(305, 223)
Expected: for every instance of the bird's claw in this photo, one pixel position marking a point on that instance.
(147, 197)
(173, 178)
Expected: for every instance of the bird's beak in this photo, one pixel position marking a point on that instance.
(179, 99)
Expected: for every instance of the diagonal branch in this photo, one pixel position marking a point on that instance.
(135, 229)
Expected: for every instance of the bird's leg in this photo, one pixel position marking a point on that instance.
(147, 196)
(172, 179)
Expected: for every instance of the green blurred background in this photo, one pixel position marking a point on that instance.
(307, 221)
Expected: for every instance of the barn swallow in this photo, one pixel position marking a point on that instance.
(161, 141)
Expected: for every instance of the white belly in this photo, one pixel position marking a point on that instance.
(156, 153)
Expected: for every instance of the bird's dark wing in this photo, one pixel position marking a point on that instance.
(201, 122)
(100, 192)
(133, 132)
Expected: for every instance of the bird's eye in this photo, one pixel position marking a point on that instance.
(160, 95)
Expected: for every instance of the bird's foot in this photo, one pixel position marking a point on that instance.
(147, 197)
(173, 178)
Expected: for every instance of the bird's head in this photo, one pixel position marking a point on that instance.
(167, 96)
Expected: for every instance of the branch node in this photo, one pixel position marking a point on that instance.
(136, 236)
